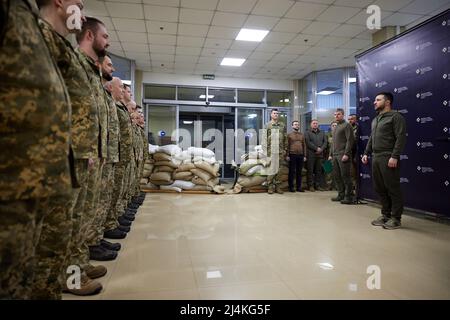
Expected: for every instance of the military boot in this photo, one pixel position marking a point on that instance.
(278, 190)
(88, 287)
(94, 272)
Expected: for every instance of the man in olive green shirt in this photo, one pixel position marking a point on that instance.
(386, 142)
(341, 151)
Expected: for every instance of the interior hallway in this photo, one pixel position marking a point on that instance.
(256, 246)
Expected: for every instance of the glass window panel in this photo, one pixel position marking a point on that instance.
(192, 93)
(161, 124)
(159, 92)
(352, 84)
(279, 99)
(249, 121)
(251, 96)
(329, 94)
(221, 95)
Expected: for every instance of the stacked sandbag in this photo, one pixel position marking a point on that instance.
(253, 172)
(148, 169)
(163, 164)
(191, 169)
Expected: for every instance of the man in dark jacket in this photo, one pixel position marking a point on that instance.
(386, 142)
(316, 142)
(296, 150)
(341, 151)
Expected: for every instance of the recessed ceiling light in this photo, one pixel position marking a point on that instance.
(213, 274)
(234, 62)
(326, 92)
(252, 35)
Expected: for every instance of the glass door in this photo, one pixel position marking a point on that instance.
(249, 123)
(161, 124)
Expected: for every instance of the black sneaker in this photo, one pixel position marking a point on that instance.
(115, 234)
(124, 228)
(346, 201)
(124, 222)
(100, 253)
(110, 246)
(392, 224)
(380, 221)
(128, 216)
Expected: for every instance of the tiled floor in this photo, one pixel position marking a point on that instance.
(291, 246)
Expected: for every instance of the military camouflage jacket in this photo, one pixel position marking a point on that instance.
(113, 129)
(94, 75)
(34, 110)
(126, 132)
(144, 143)
(84, 130)
(282, 138)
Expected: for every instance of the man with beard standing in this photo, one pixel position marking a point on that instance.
(341, 152)
(34, 142)
(386, 143)
(296, 149)
(63, 217)
(98, 249)
(93, 40)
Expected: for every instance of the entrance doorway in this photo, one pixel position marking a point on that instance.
(209, 129)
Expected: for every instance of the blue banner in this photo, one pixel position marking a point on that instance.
(415, 67)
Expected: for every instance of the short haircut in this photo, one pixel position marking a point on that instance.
(333, 122)
(340, 110)
(294, 122)
(126, 86)
(42, 3)
(387, 96)
(274, 110)
(314, 120)
(91, 24)
(352, 115)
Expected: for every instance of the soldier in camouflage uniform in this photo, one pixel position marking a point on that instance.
(119, 203)
(135, 190)
(145, 151)
(275, 149)
(34, 139)
(54, 251)
(113, 159)
(93, 41)
(111, 224)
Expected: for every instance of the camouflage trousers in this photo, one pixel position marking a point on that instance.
(95, 233)
(111, 222)
(131, 184)
(139, 171)
(90, 210)
(19, 227)
(123, 202)
(52, 246)
(128, 186)
(274, 179)
(74, 252)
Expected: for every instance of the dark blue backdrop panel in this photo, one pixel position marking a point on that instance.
(415, 67)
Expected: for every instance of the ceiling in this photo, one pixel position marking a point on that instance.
(192, 36)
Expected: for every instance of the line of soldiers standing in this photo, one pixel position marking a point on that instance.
(72, 152)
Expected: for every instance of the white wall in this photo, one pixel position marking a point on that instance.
(197, 80)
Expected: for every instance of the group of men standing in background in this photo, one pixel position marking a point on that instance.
(386, 142)
(73, 151)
